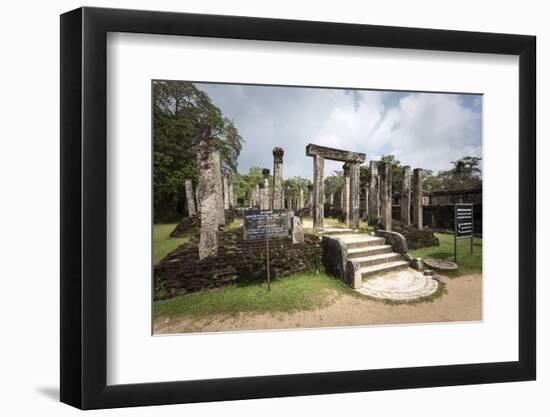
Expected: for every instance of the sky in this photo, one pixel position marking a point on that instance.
(423, 130)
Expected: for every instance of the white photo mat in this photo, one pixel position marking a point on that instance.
(134, 355)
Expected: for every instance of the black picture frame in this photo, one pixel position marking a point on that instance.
(84, 207)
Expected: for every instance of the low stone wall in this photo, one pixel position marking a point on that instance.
(417, 239)
(397, 241)
(238, 261)
(334, 256)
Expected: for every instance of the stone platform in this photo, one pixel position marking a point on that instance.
(402, 285)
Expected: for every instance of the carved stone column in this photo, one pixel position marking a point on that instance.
(277, 203)
(225, 192)
(385, 195)
(354, 199)
(190, 199)
(366, 208)
(374, 193)
(265, 194)
(318, 193)
(417, 189)
(219, 187)
(406, 196)
(232, 201)
(257, 195)
(346, 194)
(208, 168)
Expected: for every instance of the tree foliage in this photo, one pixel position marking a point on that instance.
(177, 108)
(465, 175)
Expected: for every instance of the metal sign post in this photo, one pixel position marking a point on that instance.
(267, 261)
(464, 224)
(261, 224)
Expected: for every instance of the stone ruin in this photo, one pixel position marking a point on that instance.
(278, 200)
(351, 199)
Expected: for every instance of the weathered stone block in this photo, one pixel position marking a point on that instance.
(297, 230)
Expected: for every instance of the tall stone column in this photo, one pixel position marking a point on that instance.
(318, 193)
(265, 194)
(277, 203)
(251, 203)
(208, 168)
(301, 199)
(331, 199)
(374, 193)
(385, 195)
(225, 192)
(310, 198)
(346, 194)
(232, 202)
(355, 194)
(257, 195)
(191, 210)
(283, 192)
(366, 208)
(417, 189)
(197, 199)
(219, 188)
(405, 200)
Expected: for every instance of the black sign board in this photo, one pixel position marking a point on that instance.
(464, 220)
(464, 224)
(260, 224)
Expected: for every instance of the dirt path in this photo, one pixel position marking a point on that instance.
(461, 303)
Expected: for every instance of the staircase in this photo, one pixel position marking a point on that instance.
(372, 253)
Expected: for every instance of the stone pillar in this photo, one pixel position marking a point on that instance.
(257, 195)
(355, 194)
(219, 188)
(232, 201)
(385, 195)
(301, 199)
(310, 198)
(318, 193)
(283, 192)
(197, 199)
(208, 169)
(346, 194)
(251, 198)
(265, 194)
(366, 208)
(406, 196)
(225, 192)
(191, 210)
(417, 189)
(331, 199)
(277, 202)
(374, 193)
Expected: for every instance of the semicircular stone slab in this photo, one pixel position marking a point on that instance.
(403, 285)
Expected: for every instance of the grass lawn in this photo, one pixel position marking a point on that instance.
(303, 291)
(163, 244)
(467, 264)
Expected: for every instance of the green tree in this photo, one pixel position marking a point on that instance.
(177, 107)
(396, 172)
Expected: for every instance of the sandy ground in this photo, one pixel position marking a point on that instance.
(461, 303)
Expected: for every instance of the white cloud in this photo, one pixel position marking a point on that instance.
(422, 130)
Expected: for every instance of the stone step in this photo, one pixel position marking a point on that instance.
(368, 251)
(361, 240)
(380, 268)
(336, 231)
(383, 258)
